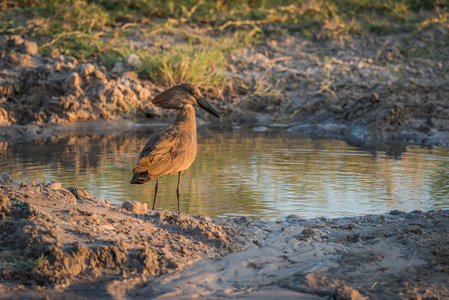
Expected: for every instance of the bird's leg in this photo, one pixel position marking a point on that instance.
(177, 190)
(155, 192)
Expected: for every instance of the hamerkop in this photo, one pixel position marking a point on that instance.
(172, 150)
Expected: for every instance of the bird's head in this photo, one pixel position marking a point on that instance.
(181, 95)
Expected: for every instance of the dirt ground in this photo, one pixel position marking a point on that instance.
(63, 243)
(370, 88)
(66, 243)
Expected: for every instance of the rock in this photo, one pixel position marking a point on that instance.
(6, 179)
(130, 75)
(54, 185)
(118, 68)
(71, 116)
(4, 206)
(135, 207)
(396, 212)
(137, 87)
(113, 96)
(79, 193)
(294, 217)
(260, 128)
(73, 80)
(86, 70)
(70, 61)
(28, 47)
(121, 104)
(133, 61)
(15, 40)
(82, 115)
(4, 117)
(144, 94)
(346, 293)
(98, 74)
(54, 119)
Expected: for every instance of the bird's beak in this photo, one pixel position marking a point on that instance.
(206, 106)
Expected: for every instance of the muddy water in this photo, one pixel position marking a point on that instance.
(241, 172)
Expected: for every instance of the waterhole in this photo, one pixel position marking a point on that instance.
(244, 172)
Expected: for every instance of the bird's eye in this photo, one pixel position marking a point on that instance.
(192, 92)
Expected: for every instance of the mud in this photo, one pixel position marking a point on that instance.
(64, 241)
(392, 256)
(370, 88)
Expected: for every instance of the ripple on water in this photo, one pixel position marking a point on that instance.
(269, 174)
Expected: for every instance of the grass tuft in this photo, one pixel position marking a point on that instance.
(30, 264)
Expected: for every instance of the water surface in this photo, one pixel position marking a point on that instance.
(240, 172)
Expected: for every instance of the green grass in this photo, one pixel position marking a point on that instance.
(93, 15)
(186, 63)
(29, 264)
(101, 29)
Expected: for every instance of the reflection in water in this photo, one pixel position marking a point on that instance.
(267, 175)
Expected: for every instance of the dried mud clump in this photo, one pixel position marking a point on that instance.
(55, 237)
(135, 207)
(38, 89)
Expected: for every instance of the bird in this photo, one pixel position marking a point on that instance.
(173, 149)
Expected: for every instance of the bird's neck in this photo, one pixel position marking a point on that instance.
(186, 118)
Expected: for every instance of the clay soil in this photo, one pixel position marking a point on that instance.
(63, 243)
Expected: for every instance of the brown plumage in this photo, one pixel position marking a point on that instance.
(173, 149)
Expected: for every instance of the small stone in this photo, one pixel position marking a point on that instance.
(98, 74)
(135, 207)
(346, 292)
(118, 68)
(28, 47)
(82, 115)
(395, 212)
(130, 75)
(114, 96)
(15, 40)
(86, 70)
(71, 61)
(144, 94)
(260, 128)
(137, 87)
(133, 61)
(294, 217)
(54, 185)
(73, 80)
(71, 116)
(4, 117)
(54, 119)
(79, 193)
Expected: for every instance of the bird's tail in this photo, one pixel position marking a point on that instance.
(139, 178)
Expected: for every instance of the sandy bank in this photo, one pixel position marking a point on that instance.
(60, 242)
(65, 241)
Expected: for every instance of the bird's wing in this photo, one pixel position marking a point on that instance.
(154, 140)
(167, 152)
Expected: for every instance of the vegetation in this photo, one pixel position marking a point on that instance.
(29, 264)
(103, 29)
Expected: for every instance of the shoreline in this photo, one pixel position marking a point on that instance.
(358, 135)
(65, 242)
(317, 88)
